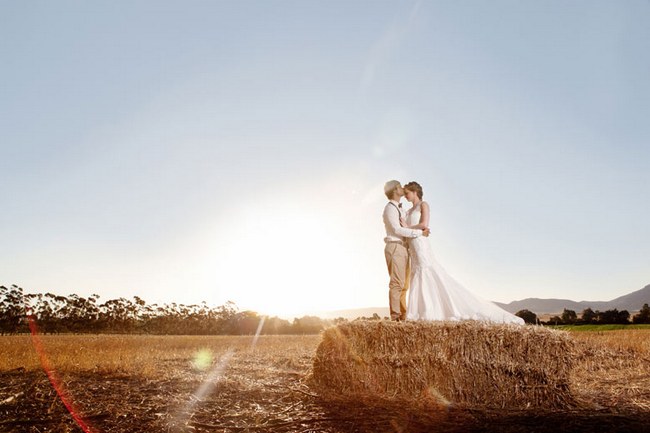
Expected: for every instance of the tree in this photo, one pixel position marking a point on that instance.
(308, 325)
(613, 317)
(247, 322)
(555, 320)
(276, 325)
(588, 316)
(12, 309)
(643, 316)
(54, 313)
(528, 316)
(623, 317)
(569, 317)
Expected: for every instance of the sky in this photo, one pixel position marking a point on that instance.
(188, 151)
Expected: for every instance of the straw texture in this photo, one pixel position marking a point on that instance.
(466, 363)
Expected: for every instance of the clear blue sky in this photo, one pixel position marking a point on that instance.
(194, 150)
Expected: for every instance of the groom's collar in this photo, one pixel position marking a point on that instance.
(396, 203)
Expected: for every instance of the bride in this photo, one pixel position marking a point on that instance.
(434, 295)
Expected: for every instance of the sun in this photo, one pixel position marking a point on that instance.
(287, 261)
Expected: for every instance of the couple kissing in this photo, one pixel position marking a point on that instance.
(432, 293)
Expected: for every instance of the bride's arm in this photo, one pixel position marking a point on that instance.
(424, 217)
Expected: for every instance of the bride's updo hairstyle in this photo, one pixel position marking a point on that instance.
(414, 187)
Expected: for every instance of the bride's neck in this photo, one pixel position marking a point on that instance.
(416, 202)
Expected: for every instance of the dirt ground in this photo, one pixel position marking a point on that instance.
(265, 389)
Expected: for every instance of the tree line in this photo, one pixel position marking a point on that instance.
(590, 317)
(76, 314)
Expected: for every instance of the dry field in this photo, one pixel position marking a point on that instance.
(236, 384)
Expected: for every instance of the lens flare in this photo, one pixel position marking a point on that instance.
(53, 376)
(202, 360)
(204, 357)
(183, 416)
(257, 333)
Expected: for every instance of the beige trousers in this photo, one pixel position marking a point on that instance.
(397, 261)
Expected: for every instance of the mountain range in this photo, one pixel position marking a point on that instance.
(632, 302)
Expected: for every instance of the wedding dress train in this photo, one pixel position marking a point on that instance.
(435, 295)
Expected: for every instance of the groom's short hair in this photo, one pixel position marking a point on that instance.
(390, 187)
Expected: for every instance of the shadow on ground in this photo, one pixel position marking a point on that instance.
(353, 418)
(114, 403)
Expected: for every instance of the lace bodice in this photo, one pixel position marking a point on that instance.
(413, 215)
(420, 250)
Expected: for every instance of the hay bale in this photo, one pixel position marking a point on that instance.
(469, 363)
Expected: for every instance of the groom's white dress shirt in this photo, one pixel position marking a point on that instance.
(394, 231)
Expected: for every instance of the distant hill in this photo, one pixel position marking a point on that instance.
(631, 302)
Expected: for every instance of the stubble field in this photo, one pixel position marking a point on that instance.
(123, 383)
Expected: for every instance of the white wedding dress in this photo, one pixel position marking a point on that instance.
(434, 295)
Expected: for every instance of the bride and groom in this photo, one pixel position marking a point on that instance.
(432, 293)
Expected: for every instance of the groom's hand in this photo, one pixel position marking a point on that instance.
(426, 232)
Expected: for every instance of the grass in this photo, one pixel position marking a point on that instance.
(634, 340)
(147, 356)
(593, 328)
(128, 383)
(144, 355)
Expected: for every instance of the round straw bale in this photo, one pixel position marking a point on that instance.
(466, 363)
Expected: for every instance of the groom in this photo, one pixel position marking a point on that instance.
(396, 252)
